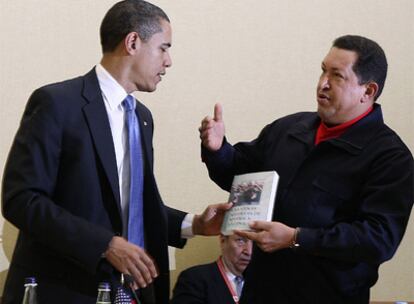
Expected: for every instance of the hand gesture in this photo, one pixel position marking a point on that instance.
(132, 260)
(209, 222)
(269, 236)
(212, 130)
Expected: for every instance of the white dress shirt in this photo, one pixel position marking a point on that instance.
(230, 276)
(113, 94)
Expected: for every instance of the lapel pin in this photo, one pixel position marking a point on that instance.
(145, 123)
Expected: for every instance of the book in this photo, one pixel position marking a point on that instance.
(253, 197)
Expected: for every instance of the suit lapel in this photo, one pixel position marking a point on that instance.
(100, 129)
(222, 290)
(145, 125)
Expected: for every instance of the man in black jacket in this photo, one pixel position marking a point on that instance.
(345, 191)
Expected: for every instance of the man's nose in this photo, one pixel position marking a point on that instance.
(324, 82)
(248, 248)
(168, 60)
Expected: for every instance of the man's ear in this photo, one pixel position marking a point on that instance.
(132, 42)
(371, 90)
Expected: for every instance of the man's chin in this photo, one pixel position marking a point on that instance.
(328, 120)
(147, 88)
(323, 114)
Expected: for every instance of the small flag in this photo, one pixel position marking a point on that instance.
(123, 297)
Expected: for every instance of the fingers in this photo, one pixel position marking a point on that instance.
(212, 130)
(132, 260)
(260, 239)
(139, 277)
(218, 112)
(142, 270)
(261, 225)
(269, 236)
(214, 210)
(251, 235)
(220, 207)
(210, 221)
(206, 124)
(208, 121)
(146, 265)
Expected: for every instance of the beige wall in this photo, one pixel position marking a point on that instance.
(260, 59)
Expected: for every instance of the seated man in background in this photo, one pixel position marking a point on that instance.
(218, 282)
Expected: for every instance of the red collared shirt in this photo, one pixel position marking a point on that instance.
(324, 132)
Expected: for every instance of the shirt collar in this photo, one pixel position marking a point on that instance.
(113, 92)
(325, 133)
(354, 140)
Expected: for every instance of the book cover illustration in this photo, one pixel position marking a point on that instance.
(253, 196)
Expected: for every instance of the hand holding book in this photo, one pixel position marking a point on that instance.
(209, 222)
(270, 236)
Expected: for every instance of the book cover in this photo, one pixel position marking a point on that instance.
(253, 196)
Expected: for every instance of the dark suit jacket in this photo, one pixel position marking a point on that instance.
(60, 188)
(202, 284)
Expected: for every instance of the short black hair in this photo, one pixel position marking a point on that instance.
(371, 64)
(130, 16)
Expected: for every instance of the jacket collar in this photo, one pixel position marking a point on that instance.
(353, 140)
(100, 129)
(91, 90)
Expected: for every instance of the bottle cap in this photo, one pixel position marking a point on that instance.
(30, 280)
(104, 286)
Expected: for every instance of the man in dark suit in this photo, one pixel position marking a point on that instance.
(345, 190)
(220, 282)
(66, 184)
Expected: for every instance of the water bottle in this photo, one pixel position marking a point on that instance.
(104, 293)
(30, 293)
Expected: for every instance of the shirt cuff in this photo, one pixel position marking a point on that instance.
(187, 227)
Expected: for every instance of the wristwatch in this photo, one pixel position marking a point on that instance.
(295, 243)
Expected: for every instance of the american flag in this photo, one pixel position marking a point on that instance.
(123, 297)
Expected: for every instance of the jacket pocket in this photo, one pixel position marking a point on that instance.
(331, 200)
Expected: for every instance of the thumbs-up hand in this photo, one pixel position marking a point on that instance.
(212, 129)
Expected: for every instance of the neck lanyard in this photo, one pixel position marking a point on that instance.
(222, 269)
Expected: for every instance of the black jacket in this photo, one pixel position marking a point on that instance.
(61, 190)
(202, 284)
(351, 196)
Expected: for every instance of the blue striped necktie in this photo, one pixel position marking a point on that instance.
(136, 214)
